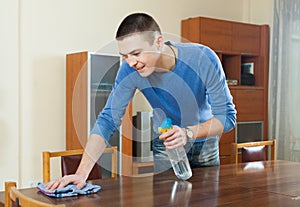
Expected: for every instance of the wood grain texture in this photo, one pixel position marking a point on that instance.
(275, 183)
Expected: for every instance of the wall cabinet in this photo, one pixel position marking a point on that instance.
(238, 45)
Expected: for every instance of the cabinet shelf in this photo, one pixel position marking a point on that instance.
(246, 87)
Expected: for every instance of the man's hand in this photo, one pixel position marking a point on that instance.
(67, 179)
(174, 138)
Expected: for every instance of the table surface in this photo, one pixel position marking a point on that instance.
(270, 183)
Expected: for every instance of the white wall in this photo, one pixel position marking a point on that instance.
(36, 35)
(9, 91)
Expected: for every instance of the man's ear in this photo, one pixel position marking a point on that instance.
(159, 42)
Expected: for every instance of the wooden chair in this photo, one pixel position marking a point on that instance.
(253, 151)
(75, 156)
(13, 195)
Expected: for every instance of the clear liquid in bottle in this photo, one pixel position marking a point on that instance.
(180, 163)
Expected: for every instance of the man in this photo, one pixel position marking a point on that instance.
(182, 81)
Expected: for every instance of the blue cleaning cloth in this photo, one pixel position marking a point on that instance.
(69, 190)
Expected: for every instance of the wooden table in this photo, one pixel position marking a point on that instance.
(271, 183)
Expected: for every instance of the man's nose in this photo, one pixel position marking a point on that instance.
(131, 60)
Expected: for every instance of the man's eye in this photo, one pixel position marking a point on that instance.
(136, 54)
(130, 55)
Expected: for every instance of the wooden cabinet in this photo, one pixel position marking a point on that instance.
(237, 45)
(89, 79)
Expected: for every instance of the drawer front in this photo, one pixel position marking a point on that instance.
(246, 38)
(249, 104)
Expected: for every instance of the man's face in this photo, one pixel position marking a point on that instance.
(139, 53)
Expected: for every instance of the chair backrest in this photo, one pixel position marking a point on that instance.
(70, 160)
(253, 151)
(70, 163)
(12, 194)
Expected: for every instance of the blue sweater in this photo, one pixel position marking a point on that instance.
(192, 93)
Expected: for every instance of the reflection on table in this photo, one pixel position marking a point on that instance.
(270, 183)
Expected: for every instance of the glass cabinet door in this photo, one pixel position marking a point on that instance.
(102, 71)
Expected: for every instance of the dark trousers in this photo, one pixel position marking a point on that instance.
(200, 154)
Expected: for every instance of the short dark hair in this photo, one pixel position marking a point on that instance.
(135, 23)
